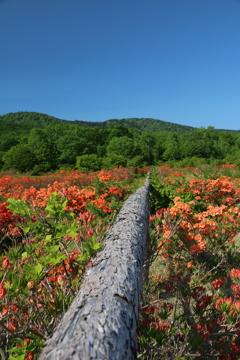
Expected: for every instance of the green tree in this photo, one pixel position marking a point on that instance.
(123, 146)
(88, 162)
(113, 160)
(7, 142)
(119, 131)
(158, 147)
(136, 161)
(101, 150)
(146, 144)
(70, 146)
(172, 148)
(226, 143)
(2, 153)
(202, 143)
(42, 145)
(19, 157)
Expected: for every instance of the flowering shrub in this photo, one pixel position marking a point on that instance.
(48, 235)
(194, 307)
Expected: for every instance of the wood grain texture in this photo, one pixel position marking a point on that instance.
(102, 320)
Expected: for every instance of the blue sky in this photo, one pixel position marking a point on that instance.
(94, 60)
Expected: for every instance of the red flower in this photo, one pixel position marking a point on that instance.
(60, 280)
(235, 273)
(5, 263)
(2, 291)
(217, 283)
(224, 304)
(236, 290)
(30, 285)
(30, 356)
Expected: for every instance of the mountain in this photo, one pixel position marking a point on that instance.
(30, 118)
(143, 124)
(33, 119)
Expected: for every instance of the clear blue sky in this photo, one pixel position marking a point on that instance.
(94, 60)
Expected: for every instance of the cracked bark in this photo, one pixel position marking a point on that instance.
(102, 321)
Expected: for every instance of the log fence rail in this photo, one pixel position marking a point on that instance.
(102, 321)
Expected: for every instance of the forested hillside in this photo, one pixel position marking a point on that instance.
(143, 124)
(30, 118)
(40, 143)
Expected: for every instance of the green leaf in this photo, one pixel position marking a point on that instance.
(18, 353)
(72, 233)
(96, 247)
(53, 258)
(48, 238)
(17, 357)
(19, 207)
(7, 286)
(37, 269)
(54, 248)
(26, 229)
(24, 255)
(83, 257)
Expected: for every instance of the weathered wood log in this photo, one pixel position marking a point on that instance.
(102, 321)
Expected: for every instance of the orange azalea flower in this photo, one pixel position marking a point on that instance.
(224, 300)
(30, 356)
(236, 290)
(235, 273)
(2, 291)
(237, 305)
(198, 238)
(5, 263)
(217, 283)
(12, 325)
(167, 234)
(197, 248)
(4, 310)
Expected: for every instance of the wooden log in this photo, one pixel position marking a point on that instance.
(102, 321)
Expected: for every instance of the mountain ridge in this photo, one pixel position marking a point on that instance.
(144, 124)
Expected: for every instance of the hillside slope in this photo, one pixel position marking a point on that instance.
(34, 119)
(143, 124)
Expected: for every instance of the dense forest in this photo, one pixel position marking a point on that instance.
(40, 143)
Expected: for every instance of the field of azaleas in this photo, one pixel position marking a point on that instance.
(50, 227)
(191, 307)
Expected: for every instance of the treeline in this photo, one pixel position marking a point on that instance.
(68, 146)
